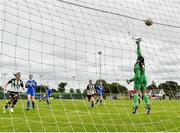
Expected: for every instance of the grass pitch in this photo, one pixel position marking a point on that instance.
(78, 116)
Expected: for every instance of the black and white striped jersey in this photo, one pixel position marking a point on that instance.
(91, 89)
(15, 85)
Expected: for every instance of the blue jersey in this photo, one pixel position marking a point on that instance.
(99, 89)
(48, 92)
(31, 86)
(40, 95)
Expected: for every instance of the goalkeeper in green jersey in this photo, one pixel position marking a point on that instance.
(140, 81)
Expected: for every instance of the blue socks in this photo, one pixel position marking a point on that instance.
(28, 104)
(33, 104)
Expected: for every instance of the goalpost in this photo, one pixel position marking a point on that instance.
(73, 41)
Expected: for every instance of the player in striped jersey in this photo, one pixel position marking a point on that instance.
(91, 90)
(16, 85)
(31, 86)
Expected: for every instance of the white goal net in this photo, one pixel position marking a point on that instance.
(73, 41)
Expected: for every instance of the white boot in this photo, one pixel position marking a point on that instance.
(4, 110)
(11, 110)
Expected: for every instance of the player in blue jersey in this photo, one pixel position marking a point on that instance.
(31, 86)
(99, 90)
(48, 94)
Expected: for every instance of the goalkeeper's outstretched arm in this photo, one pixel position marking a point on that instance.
(138, 48)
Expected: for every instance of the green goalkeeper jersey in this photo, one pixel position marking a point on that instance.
(137, 72)
(136, 79)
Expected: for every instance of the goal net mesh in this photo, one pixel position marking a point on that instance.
(60, 40)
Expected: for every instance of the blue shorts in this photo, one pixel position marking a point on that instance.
(100, 94)
(31, 93)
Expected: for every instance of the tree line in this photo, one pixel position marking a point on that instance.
(108, 88)
(169, 87)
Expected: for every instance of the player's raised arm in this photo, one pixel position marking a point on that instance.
(138, 47)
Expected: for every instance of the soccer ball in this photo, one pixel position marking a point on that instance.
(148, 21)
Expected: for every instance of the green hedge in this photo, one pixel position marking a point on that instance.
(72, 95)
(66, 95)
(54, 95)
(22, 96)
(1, 95)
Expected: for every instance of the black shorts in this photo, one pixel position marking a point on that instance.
(89, 96)
(12, 94)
